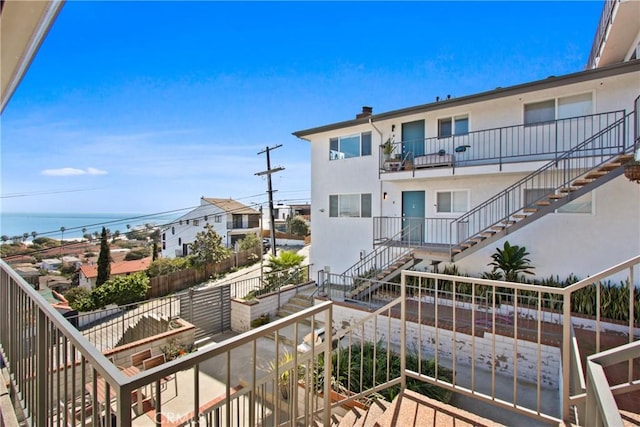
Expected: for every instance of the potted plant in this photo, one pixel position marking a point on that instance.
(632, 168)
(387, 149)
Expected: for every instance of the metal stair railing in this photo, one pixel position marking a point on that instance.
(556, 175)
(382, 257)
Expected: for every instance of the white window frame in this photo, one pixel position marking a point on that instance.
(451, 192)
(556, 103)
(361, 198)
(566, 209)
(339, 155)
(563, 209)
(453, 125)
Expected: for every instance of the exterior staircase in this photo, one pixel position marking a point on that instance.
(300, 301)
(410, 409)
(596, 161)
(362, 286)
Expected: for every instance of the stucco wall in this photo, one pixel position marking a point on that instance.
(560, 244)
(480, 349)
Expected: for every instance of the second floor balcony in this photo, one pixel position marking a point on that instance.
(497, 146)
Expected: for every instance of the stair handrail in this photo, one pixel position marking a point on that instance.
(503, 196)
(386, 246)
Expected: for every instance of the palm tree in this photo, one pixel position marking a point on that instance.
(512, 261)
(4, 238)
(25, 236)
(34, 234)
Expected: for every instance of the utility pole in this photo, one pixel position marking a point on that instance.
(268, 172)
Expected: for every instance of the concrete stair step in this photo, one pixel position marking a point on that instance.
(413, 409)
(372, 415)
(352, 416)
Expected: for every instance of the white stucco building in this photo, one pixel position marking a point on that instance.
(538, 164)
(229, 218)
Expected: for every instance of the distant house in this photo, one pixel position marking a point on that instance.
(51, 264)
(71, 260)
(282, 212)
(28, 273)
(89, 273)
(229, 218)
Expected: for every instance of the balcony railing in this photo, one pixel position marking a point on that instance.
(510, 344)
(601, 31)
(510, 144)
(478, 332)
(411, 231)
(446, 234)
(61, 379)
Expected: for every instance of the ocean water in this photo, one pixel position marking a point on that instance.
(49, 224)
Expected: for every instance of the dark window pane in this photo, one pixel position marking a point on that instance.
(333, 206)
(366, 206)
(444, 128)
(540, 112)
(366, 144)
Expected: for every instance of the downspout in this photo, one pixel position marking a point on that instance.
(379, 133)
(380, 198)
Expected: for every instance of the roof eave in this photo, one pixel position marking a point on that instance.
(549, 82)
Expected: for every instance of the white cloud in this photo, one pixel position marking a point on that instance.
(73, 172)
(94, 171)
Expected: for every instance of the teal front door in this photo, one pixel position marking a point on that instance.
(413, 206)
(413, 139)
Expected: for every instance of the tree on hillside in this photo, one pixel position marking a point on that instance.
(249, 242)
(104, 259)
(208, 247)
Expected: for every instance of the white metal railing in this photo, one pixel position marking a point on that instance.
(59, 378)
(508, 344)
(601, 407)
(505, 343)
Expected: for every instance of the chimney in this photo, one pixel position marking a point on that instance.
(366, 112)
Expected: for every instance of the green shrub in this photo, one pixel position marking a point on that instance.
(362, 365)
(119, 290)
(164, 266)
(78, 297)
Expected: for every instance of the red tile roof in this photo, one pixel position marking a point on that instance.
(118, 268)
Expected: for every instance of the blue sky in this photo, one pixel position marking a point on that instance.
(144, 107)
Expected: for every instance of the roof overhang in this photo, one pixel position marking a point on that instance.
(549, 82)
(23, 27)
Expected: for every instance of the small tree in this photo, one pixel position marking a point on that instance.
(208, 247)
(284, 269)
(104, 259)
(249, 242)
(298, 226)
(511, 261)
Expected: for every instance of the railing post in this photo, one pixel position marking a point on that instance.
(566, 354)
(40, 407)
(403, 331)
(326, 402)
(500, 149)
